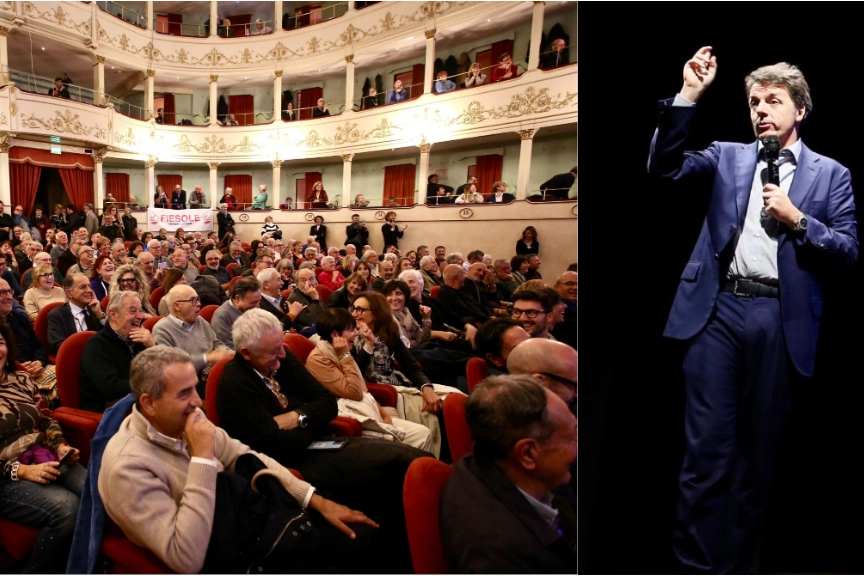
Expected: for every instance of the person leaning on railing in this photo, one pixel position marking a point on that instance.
(397, 94)
(556, 56)
(60, 90)
(475, 77)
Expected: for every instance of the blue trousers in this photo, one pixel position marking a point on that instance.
(738, 392)
(53, 508)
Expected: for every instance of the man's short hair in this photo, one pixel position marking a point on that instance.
(785, 75)
(218, 254)
(245, 285)
(503, 410)
(490, 337)
(69, 281)
(327, 259)
(267, 275)
(148, 368)
(476, 255)
(547, 297)
(412, 274)
(116, 300)
(453, 257)
(426, 260)
(253, 324)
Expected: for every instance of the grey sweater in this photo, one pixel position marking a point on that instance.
(223, 321)
(197, 341)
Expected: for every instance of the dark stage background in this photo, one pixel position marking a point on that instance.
(636, 234)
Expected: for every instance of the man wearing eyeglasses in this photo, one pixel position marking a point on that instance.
(186, 330)
(41, 259)
(7, 275)
(306, 294)
(82, 312)
(30, 352)
(553, 364)
(533, 310)
(86, 258)
(245, 295)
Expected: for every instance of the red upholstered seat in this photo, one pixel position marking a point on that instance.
(149, 323)
(69, 368)
(385, 394)
(208, 311)
(230, 267)
(41, 327)
(458, 434)
(126, 244)
(202, 268)
(212, 389)
(299, 345)
(287, 292)
(156, 297)
(324, 292)
(422, 494)
(104, 302)
(476, 371)
(126, 557)
(434, 291)
(231, 283)
(16, 542)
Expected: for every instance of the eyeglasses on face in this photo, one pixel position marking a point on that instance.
(569, 284)
(194, 301)
(6, 292)
(357, 309)
(47, 275)
(561, 379)
(516, 312)
(127, 280)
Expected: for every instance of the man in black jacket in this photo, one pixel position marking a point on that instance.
(224, 221)
(356, 233)
(74, 220)
(82, 312)
(558, 187)
(268, 400)
(459, 303)
(178, 198)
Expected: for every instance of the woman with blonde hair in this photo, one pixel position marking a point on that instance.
(319, 195)
(475, 76)
(43, 291)
(131, 277)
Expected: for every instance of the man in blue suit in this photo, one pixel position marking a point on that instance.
(749, 302)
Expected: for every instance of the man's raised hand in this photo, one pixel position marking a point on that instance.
(699, 72)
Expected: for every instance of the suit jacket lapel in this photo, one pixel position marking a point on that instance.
(745, 167)
(805, 176)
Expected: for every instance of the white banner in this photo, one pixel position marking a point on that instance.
(171, 220)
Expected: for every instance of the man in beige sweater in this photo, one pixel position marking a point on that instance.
(158, 476)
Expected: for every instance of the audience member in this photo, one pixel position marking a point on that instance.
(320, 110)
(567, 285)
(558, 187)
(81, 312)
(442, 84)
(386, 273)
(469, 195)
(356, 233)
(371, 100)
(100, 276)
(475, 77)
(306, 294)
(245, 295)
(108, 354)
(352, 286)
(329, 276)
(556, 55)
(260, 202)
(498, 510)
(499, 193)
(533, 308)
(505, 70)
(42, 292)
(533, 268)
(452, 296)
(273, 302)
(553, 364)
(397, 94)
(59, 89)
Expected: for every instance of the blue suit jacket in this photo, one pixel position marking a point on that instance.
(821, 189)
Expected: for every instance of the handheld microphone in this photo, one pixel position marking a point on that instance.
(772, 155)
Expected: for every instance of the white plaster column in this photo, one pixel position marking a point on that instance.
(99, 81)
(346, 179)
(213, 98)
(350, 4)
(4, 55)
(536, 35)
(277, 15)
(149, 14)
(277, 96)
(99, 179)
(430, 61)
(214, 191)
(149, 181)
(5, 193)
(425, 147)
(214, 18)
(149, 97)
(275, 192)
(524, 163)
(349, 82)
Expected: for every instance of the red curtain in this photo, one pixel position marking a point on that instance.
(241, 187)
(311, 178)
(499, 48)
(23, 181)
(167, 181)
(308, 100)
(417, 79)
(44, 158)
(488, 172)
(240, 23)
(243, 108)
(117, 184)
(168, 108)
(78, 184)
(175, 24)
(302, 14)
(399, 182)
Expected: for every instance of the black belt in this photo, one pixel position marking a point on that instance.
(748, 288)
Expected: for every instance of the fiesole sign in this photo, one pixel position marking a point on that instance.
(158, 218)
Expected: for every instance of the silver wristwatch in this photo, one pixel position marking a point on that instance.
(801, 223)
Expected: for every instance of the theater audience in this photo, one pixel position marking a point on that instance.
(306, 294)
(505, 70)
(459, 303)
(533, 308)
(498, 510)
(330, 277)
(475, 77)
(245, 295)
(108, 354)
(164, 496)
(273, 302)
(35, 490)
(496, 339)
(333, 366)
(554, 365)
(528, 244)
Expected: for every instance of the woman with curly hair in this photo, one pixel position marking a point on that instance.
(131, 277)
(518, 268)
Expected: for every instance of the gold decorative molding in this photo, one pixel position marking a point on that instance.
(213, 165)
(214, 77)
(3, 118)
(349, 59)
(100, 59)
(151, 73)
(430, 33)
(100, 154)
(277, 163)
(68, 123)
(5, 142)
(530, 102)
(425, 147)
(128, 140)
(527, 134)
(280, 52)
(4, 31)
(347, 157)
(13, 108)
(349, 134)
(215, 145)
(56, 16)
(278, 73)
(150, 162)
(4, 148)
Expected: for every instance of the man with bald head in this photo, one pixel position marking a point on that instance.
(456, 300)
(180, 260)
(554, 365)
(385, 274)
(567, 285)
(185, 329)
(147, 263)
(61, 244)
